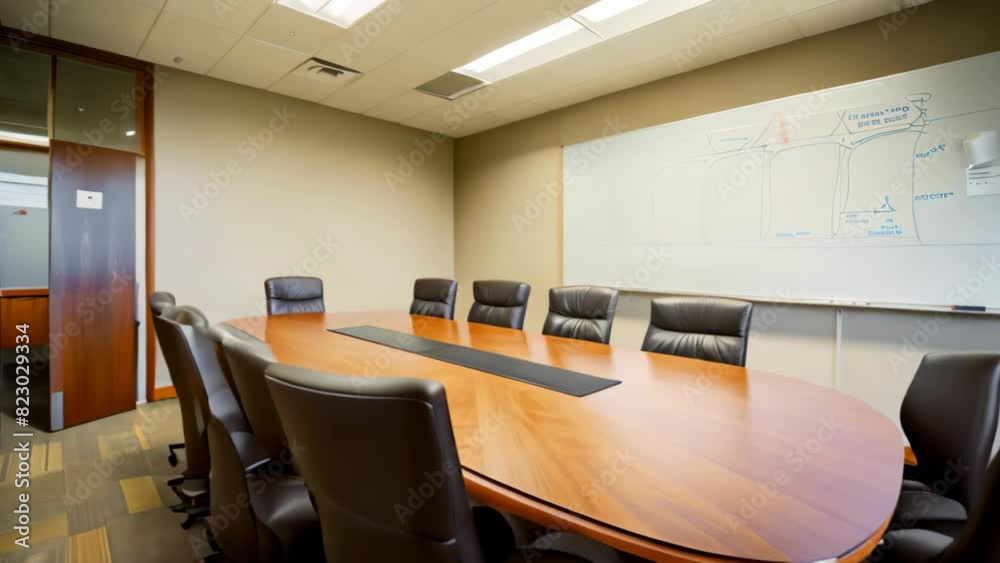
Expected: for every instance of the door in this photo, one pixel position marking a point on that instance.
(92, 319)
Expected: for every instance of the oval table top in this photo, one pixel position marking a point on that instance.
(685, 460)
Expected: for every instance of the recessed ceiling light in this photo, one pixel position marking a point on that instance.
(341, 12)
(523, 45)
(595, 23)
(130, 133)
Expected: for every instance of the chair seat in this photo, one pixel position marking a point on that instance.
(912, 486)
(286, 511)
(928, 511)
(911, 546)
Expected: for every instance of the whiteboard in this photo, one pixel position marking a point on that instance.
(880, 192)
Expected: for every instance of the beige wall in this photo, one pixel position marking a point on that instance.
(310, 197)
(499, 172)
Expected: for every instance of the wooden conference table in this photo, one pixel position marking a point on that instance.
(683, 461)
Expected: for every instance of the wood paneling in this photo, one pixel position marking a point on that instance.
(25, 292)
(92, 282)
(160, 393)
(684, 461)
(33, 311)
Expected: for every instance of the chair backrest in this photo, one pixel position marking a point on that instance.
(949, 415)
(705, 328)
(247, 360)
(581, 312)
(381, 462)
(980, 540)
(218, 333)
(160, 300)
(191, 394)
(294, 294)
(500, 303)
(434, 297)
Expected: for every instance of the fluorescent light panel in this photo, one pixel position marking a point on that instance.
(25, 138)
(595, 23)
(523, 45)
(343, 13)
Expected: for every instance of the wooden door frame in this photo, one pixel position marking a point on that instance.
(145, 123)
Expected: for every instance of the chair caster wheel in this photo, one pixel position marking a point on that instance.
(172, 459)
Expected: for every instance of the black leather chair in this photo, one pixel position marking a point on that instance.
(160, 300)
(704, 328)
(247, 359)
(978, 543)
(294, 294)
(500, 303)
(258, 514)
(191, 398)
(200, 387)
(950, 415)
(434, 297)
(581, 312)
(397, 434)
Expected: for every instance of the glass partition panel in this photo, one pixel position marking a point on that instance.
(24, 96)
(95, 105)
(24, 169)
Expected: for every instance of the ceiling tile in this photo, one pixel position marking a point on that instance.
(294, 30)
(519, 111)
(758, 38)
(25, 15)
(793, 7)
(405, 106)
(234, 15)
(429, 121)
(413, 21)
(359, 50)
(256, 63)
(198, 44)
(567, 96)
(409, 71)
(88, 23)
(842, 14)
(363, 94)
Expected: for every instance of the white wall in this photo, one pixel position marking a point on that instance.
(305, 193)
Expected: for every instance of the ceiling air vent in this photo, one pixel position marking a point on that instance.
(451, 85)
(325, 72)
